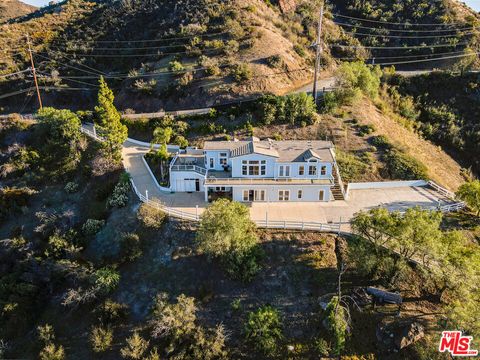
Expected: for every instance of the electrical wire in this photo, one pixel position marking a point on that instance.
(409, 36)
(15, 73)
(399, 47)
(394, 23)
(429, 60)
(407, 31)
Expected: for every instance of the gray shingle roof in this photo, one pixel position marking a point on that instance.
(284, 151)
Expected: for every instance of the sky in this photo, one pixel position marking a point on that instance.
(473, 3)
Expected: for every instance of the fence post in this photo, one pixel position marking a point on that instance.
(146, 195)
(196, 212)
(284, 224)
(303, 225)
(340, 226)
(266, 219)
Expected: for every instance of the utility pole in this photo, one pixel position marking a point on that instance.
(34, 72)
(319, 50)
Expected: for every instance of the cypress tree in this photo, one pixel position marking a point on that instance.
(110, 126)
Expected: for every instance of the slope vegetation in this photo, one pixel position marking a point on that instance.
(10, 9)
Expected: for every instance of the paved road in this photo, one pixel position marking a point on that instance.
(393, 198)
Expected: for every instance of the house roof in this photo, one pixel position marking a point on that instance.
(284, 151)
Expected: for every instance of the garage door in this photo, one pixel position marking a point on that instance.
(189, 185)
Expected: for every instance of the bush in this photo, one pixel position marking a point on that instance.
(119, 197)
(330, 102)
(52, 352)
(322, 347)
(106, 279)
(242, 72)
(101, 339)
(351, 168)
(381, 142)
(175, 66)
(110, 312)
(274, 61)
(130, 247)
(401, 166)
(263, 329)
(92, 226)
(366, 129)
(71, 187)
(151, 217)
(12, 200)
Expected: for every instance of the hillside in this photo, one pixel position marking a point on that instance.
(210, 50)
(410, 34)
(10, 9)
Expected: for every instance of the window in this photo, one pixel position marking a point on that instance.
(301, 170)
(312, 170)
(254, 167)
(323, 170)
(284, 195)
(259, 195)
(246, 195)
(300, 194)
(220, 189)
(212, 163)
(321, 195)
(223, 159)
(284, 171)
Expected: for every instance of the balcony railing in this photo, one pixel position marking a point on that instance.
(193, 168)
(267, 181)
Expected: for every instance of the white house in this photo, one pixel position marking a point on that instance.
(255, 170)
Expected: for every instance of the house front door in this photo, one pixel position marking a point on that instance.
(197, 184)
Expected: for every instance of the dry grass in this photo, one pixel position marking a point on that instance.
(442, 168)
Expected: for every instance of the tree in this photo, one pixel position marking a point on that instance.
(61, 139)
(107, 279)
(101, 338)
(355, 78)
(470, 193)
(264, 329)
(135, 348)
(162, 135)
(227, 232)
(111, 129)
(337, 322)
(174, 320)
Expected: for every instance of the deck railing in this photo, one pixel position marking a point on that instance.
(193, 168)
(250, 181)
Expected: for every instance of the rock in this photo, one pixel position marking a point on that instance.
(409, 335)
(287, 5)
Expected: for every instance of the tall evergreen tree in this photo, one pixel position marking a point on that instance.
(110, 127)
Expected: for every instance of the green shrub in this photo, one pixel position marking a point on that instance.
(119, 197)
(106, 279)
(381, 142)
(175, 66)
(101, 339)
(351, 168)
(401, 166)
(92, 226)
(110, 312)
(150, 217)
(12, 200)
(322, 347)
(130, 247)
(263, 329)
(71, 187)
(330, 102)
(275, 61)
(366, 129)
(242, 72)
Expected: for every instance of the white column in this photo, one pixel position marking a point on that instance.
(206, 193)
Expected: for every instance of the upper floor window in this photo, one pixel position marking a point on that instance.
(223, 159)
(301, 170)
(284, 171)
(254, 167)
(312, 170)
(212, 163)
(323, 170)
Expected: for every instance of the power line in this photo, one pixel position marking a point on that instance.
(393, 23)
(407, 31)
(66, 78)
(408, 36)
(430, 60)
(15, 73)
(138, 55)
(70, 66)
(405, 56)
(399, 47)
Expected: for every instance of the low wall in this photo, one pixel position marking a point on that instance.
(170, 148)
(383, 185)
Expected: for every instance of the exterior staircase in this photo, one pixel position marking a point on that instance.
(338, 184)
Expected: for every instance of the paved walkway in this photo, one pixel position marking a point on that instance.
(392, 198)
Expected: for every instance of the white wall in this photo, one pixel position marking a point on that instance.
(215, 155)
(237, 166)
(177, 183)
(310, 193)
